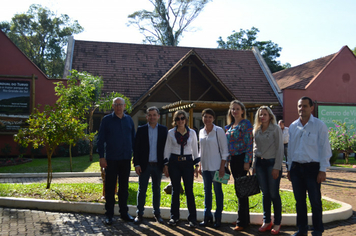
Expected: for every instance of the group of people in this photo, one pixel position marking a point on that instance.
(178, 154)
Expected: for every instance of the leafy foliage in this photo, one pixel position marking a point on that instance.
(50, 128)
(246, 39)
(168, 20)
(84, 92)
(342, 139)
(42, 36)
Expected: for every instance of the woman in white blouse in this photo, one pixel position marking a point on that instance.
(213, 154)
(181, 155)
(268, 156)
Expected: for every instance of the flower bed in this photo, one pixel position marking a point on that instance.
(14, 161)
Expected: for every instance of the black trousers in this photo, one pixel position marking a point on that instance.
(237, 170)
(117, 169)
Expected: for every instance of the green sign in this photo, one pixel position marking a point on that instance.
(344, 114)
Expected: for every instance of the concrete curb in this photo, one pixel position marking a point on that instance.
(342, 213)
(56, 175)
(342, 169)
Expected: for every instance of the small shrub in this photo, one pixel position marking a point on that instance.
(6, 150)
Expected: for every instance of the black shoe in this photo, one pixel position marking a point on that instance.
(172, 222)
(159, 219)
(300, 234)
(138, 219)
(127, 217)
(108, 221)
(192, 224)
(217, 223)
(207, 221)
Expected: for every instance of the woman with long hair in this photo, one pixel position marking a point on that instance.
(181, 155)
(213, 154)
(268, 157)
(239, 137)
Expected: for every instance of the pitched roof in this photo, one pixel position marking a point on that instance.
(133, 69)
(300, 76)
(6, 49)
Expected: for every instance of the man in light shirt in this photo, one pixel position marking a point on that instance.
(285, 132)
(308, 157)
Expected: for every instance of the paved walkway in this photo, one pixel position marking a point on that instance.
(340, 185)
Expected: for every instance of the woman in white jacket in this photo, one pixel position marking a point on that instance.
(213, 154)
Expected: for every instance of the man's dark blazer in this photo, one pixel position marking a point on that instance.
(142, 146)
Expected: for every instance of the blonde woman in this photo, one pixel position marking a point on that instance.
(181, 155)
(239, 138)
(268, 157)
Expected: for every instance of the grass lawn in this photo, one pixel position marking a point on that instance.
(59, 164)
(92, 193)
(341, 163)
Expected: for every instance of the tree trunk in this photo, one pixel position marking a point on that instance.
(49, 171)
(346, 157)
(70, 158)
(91, 113)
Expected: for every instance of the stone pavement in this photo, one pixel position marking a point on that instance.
(340, 185)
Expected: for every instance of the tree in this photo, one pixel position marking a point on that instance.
(246, 39)
(42, 36)
(50, 128)
(354, 51)
(166, 23)
(84, 91)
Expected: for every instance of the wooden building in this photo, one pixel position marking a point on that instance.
(173, 78)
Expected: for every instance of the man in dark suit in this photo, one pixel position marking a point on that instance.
(148, 161)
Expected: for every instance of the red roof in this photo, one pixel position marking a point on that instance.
(299, 77)
(132, 69)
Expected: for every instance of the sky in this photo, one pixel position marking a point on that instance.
(304, 29)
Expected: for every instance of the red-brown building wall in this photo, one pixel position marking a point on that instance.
(14, 63)
(335, 84)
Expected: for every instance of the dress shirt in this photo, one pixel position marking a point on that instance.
(152, 137)
(118, 135)
(240, 140)
(269, 145)
(211, 152)
(285, 133)
(309, 143)
(172, 146)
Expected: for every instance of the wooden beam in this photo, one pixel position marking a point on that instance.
(190, 82)
(33, 92)
(191, 111)
(204, 93)
(207, 78)
(174, 91)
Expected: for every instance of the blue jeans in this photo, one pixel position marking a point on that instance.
(270, 190)
(304, 178)
(156, 175)
(178, 170)
(219, 196)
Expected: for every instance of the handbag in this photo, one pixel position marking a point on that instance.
(247, 186)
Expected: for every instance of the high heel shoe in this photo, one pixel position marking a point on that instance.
(217, 223)
(265, 227)
(276, 229)
(207, 221)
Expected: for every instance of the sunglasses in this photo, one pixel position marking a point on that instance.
(177, 118)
